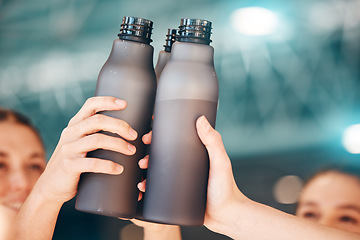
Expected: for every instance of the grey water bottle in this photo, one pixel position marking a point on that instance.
(163, 58)
(176, 187)
(128, 74)
(164, 55)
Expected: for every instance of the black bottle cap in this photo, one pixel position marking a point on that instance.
(170, 39)
(195, 31)
(136, 29)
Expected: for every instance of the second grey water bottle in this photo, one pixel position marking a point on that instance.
(176, 187)
(164, 55)
(163, 58)
(128, 74)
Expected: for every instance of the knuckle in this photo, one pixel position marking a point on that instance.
(217, 135)
(97, 123)
(96, 139)
(65, 149)
(90, 101)
(64, 132)
(68, 165)
(90, 104)
(71, 121)
(98, 119)
(124, 124)
(117, 142)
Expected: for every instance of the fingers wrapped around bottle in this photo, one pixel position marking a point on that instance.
(85, 133)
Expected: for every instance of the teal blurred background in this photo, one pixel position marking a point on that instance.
(285, 97)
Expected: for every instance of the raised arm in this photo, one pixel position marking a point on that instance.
(231, 213)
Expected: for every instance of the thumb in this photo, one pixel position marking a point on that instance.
(213, 143)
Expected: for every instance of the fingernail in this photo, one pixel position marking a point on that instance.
(133, 133)
(120, 168)
(141, 186)
(120, 102)
(142, 163)
(204, 123)
(132, 148)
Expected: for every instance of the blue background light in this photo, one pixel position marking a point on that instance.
(254, 21)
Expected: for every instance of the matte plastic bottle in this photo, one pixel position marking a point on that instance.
(164, 55)
(177, 176)
(163, 58)
(127, 74)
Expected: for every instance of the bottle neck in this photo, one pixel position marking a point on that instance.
(184, 51)
(136, 29)
(134, 39)
(197, 40)
(130, 52)
(195, 31)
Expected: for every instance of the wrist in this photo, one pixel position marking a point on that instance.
(162, 232)
(234, 224)
(156, 228)
(37, 211)
(42, 196)
(229, 219)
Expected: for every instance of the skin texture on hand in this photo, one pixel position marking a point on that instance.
(59, 181)
(231, 213)
(79, 137)
(220, 177)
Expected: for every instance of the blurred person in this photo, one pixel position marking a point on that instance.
(332, 198)
(27, 182)
(22, 160)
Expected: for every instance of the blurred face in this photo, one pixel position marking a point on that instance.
(332, 199)
(22, 160)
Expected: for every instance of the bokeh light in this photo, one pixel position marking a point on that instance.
(254, 21)
(351, 139)
(287, 189)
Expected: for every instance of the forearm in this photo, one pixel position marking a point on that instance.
(7, 217)
(36, 219)
(253, 220)
(165, 233)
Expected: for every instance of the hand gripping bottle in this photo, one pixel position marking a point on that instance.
(177, 176)
(128, 74)
(164, 55)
